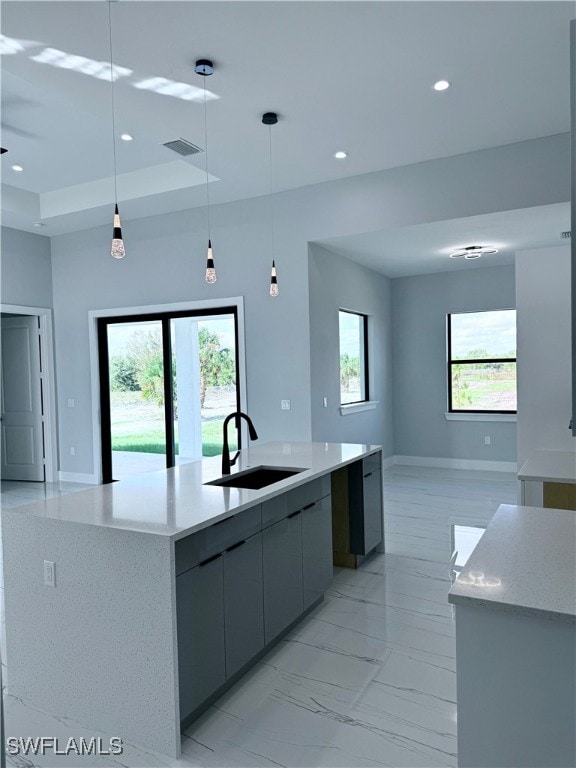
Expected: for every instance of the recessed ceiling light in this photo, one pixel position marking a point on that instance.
(17, 168)
(442, 85)
(472, 251)
(340, 155)
(126, 137)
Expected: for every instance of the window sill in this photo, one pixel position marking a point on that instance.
(480, 416)
(369, 405)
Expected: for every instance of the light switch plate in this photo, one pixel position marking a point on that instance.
(285, 405)
(49, 573)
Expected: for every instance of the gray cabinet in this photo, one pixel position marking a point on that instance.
(373, 523)
(243, 603)
(282, 565)
(364, 486)
(200, 616)
(242, 581)
(317, 567)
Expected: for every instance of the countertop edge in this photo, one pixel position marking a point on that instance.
(511, 608)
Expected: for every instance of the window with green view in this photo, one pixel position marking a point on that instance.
(353, 357)
(482, 361)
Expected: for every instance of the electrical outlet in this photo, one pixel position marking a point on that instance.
(71, 403)
(486, 439)
(325, 402)
(285, 405)
(49, 573)
(72, 451)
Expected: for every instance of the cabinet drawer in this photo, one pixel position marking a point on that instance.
(221, 535)
(309, 493)
(199, 546)
(372, 463)
(274, 510)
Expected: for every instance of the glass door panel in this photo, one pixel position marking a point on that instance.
(204, 380)
(136, 379)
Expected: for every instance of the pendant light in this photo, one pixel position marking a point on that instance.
(270, 119)
(117, 250)
(205, 68)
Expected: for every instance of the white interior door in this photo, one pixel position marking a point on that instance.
(22, 436)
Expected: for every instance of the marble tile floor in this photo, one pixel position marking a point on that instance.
(368, 679)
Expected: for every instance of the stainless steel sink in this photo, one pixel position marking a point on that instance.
(256, 477)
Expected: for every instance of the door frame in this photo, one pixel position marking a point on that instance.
(201, 305)
(48, 384)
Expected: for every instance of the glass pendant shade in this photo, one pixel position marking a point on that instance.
(118, 251)
(210, 269)
(274, 290)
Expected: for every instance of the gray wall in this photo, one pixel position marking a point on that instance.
(544, 370)
(336, 282)
(419, 308)
(26, 269)
(166, 258)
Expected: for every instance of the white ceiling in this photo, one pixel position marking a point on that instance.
(426, 248)
(342, 75)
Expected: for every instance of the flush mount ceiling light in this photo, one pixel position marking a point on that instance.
(117, 250)
(205, 68)
(17, 168)
(340, 155)
(442, 85)
(270, 119)
(473, 252)
(126, 137)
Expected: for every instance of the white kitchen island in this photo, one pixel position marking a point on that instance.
(152, 566)
(516, 642)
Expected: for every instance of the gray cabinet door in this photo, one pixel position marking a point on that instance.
(200, 616)
(282, 561)
(243, 603)
(373, 526)
(317, 568)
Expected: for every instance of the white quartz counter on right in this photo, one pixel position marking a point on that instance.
(524, 563)
(550, 466)
(515, 607)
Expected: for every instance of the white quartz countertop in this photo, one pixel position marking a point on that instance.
(176, 502)
(524, 563)
(550, 466)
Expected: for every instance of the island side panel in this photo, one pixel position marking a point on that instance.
(100, 646)
(516, 678)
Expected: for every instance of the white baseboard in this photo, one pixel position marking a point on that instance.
(429, 461)
(389, 461)
(77, 477)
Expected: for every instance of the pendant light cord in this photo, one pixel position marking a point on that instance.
(206, 153)
(271, 194)
(112, 99)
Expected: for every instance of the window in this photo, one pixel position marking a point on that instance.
(482, 362)
(353, 357)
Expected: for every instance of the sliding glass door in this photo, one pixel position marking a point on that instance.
(167, 381)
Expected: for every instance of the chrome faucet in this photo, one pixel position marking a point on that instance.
(227, 462)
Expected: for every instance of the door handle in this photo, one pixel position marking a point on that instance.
(293, 514)
(210, 560)
(235, 546)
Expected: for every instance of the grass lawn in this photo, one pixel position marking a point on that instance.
(152, 440)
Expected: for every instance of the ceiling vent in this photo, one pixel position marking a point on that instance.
(566, 235)
(183, 147)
